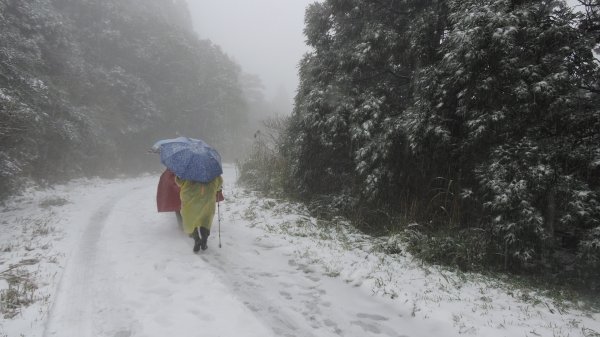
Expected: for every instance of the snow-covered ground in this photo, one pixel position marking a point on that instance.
(93, 258)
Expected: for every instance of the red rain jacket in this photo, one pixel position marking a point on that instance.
(167, 195)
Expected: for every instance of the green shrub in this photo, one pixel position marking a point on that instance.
(265, 168)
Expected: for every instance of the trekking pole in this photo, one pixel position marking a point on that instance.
(219, 216)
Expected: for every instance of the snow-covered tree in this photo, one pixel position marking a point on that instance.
(512, 121)
(355, 86)
(456, 114)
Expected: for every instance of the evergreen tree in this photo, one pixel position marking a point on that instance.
(460, 115)
(511, 121)
(355, 87)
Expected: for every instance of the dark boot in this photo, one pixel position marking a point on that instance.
(204, 233)
(197, 240)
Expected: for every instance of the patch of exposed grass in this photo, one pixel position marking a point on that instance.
(53, 202)
(21, 288)
(19, 279)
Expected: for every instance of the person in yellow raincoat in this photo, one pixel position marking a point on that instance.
(198, 203)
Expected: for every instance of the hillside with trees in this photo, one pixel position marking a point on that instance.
(87, 86)
(471, 127)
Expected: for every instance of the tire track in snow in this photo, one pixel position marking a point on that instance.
(70, 314)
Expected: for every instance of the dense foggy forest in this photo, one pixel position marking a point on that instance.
(473, 127)
(87, 86)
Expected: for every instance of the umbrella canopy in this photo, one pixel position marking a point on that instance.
(190, 159)
(156, 146)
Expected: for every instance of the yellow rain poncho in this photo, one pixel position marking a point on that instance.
(198, 202)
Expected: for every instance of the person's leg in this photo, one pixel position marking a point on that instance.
(197, 240)
(204, 233)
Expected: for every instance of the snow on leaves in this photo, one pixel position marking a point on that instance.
(453, 96)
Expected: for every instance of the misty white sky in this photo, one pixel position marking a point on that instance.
(263, 36)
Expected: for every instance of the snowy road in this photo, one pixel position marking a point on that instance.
(133, 273)
(93, 258)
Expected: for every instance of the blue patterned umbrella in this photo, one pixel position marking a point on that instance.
(190, 159)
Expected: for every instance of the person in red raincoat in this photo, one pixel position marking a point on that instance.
(167, 195)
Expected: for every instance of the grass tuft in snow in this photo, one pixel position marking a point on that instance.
(20, 290)
(23, 253)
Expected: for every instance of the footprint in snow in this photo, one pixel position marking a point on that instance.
(265, 274)
(373, 317)
(286, 295)
(367, 327)
(161, 291)
(266, 245)
(123, 333)
(313, 278)
(160, 266)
